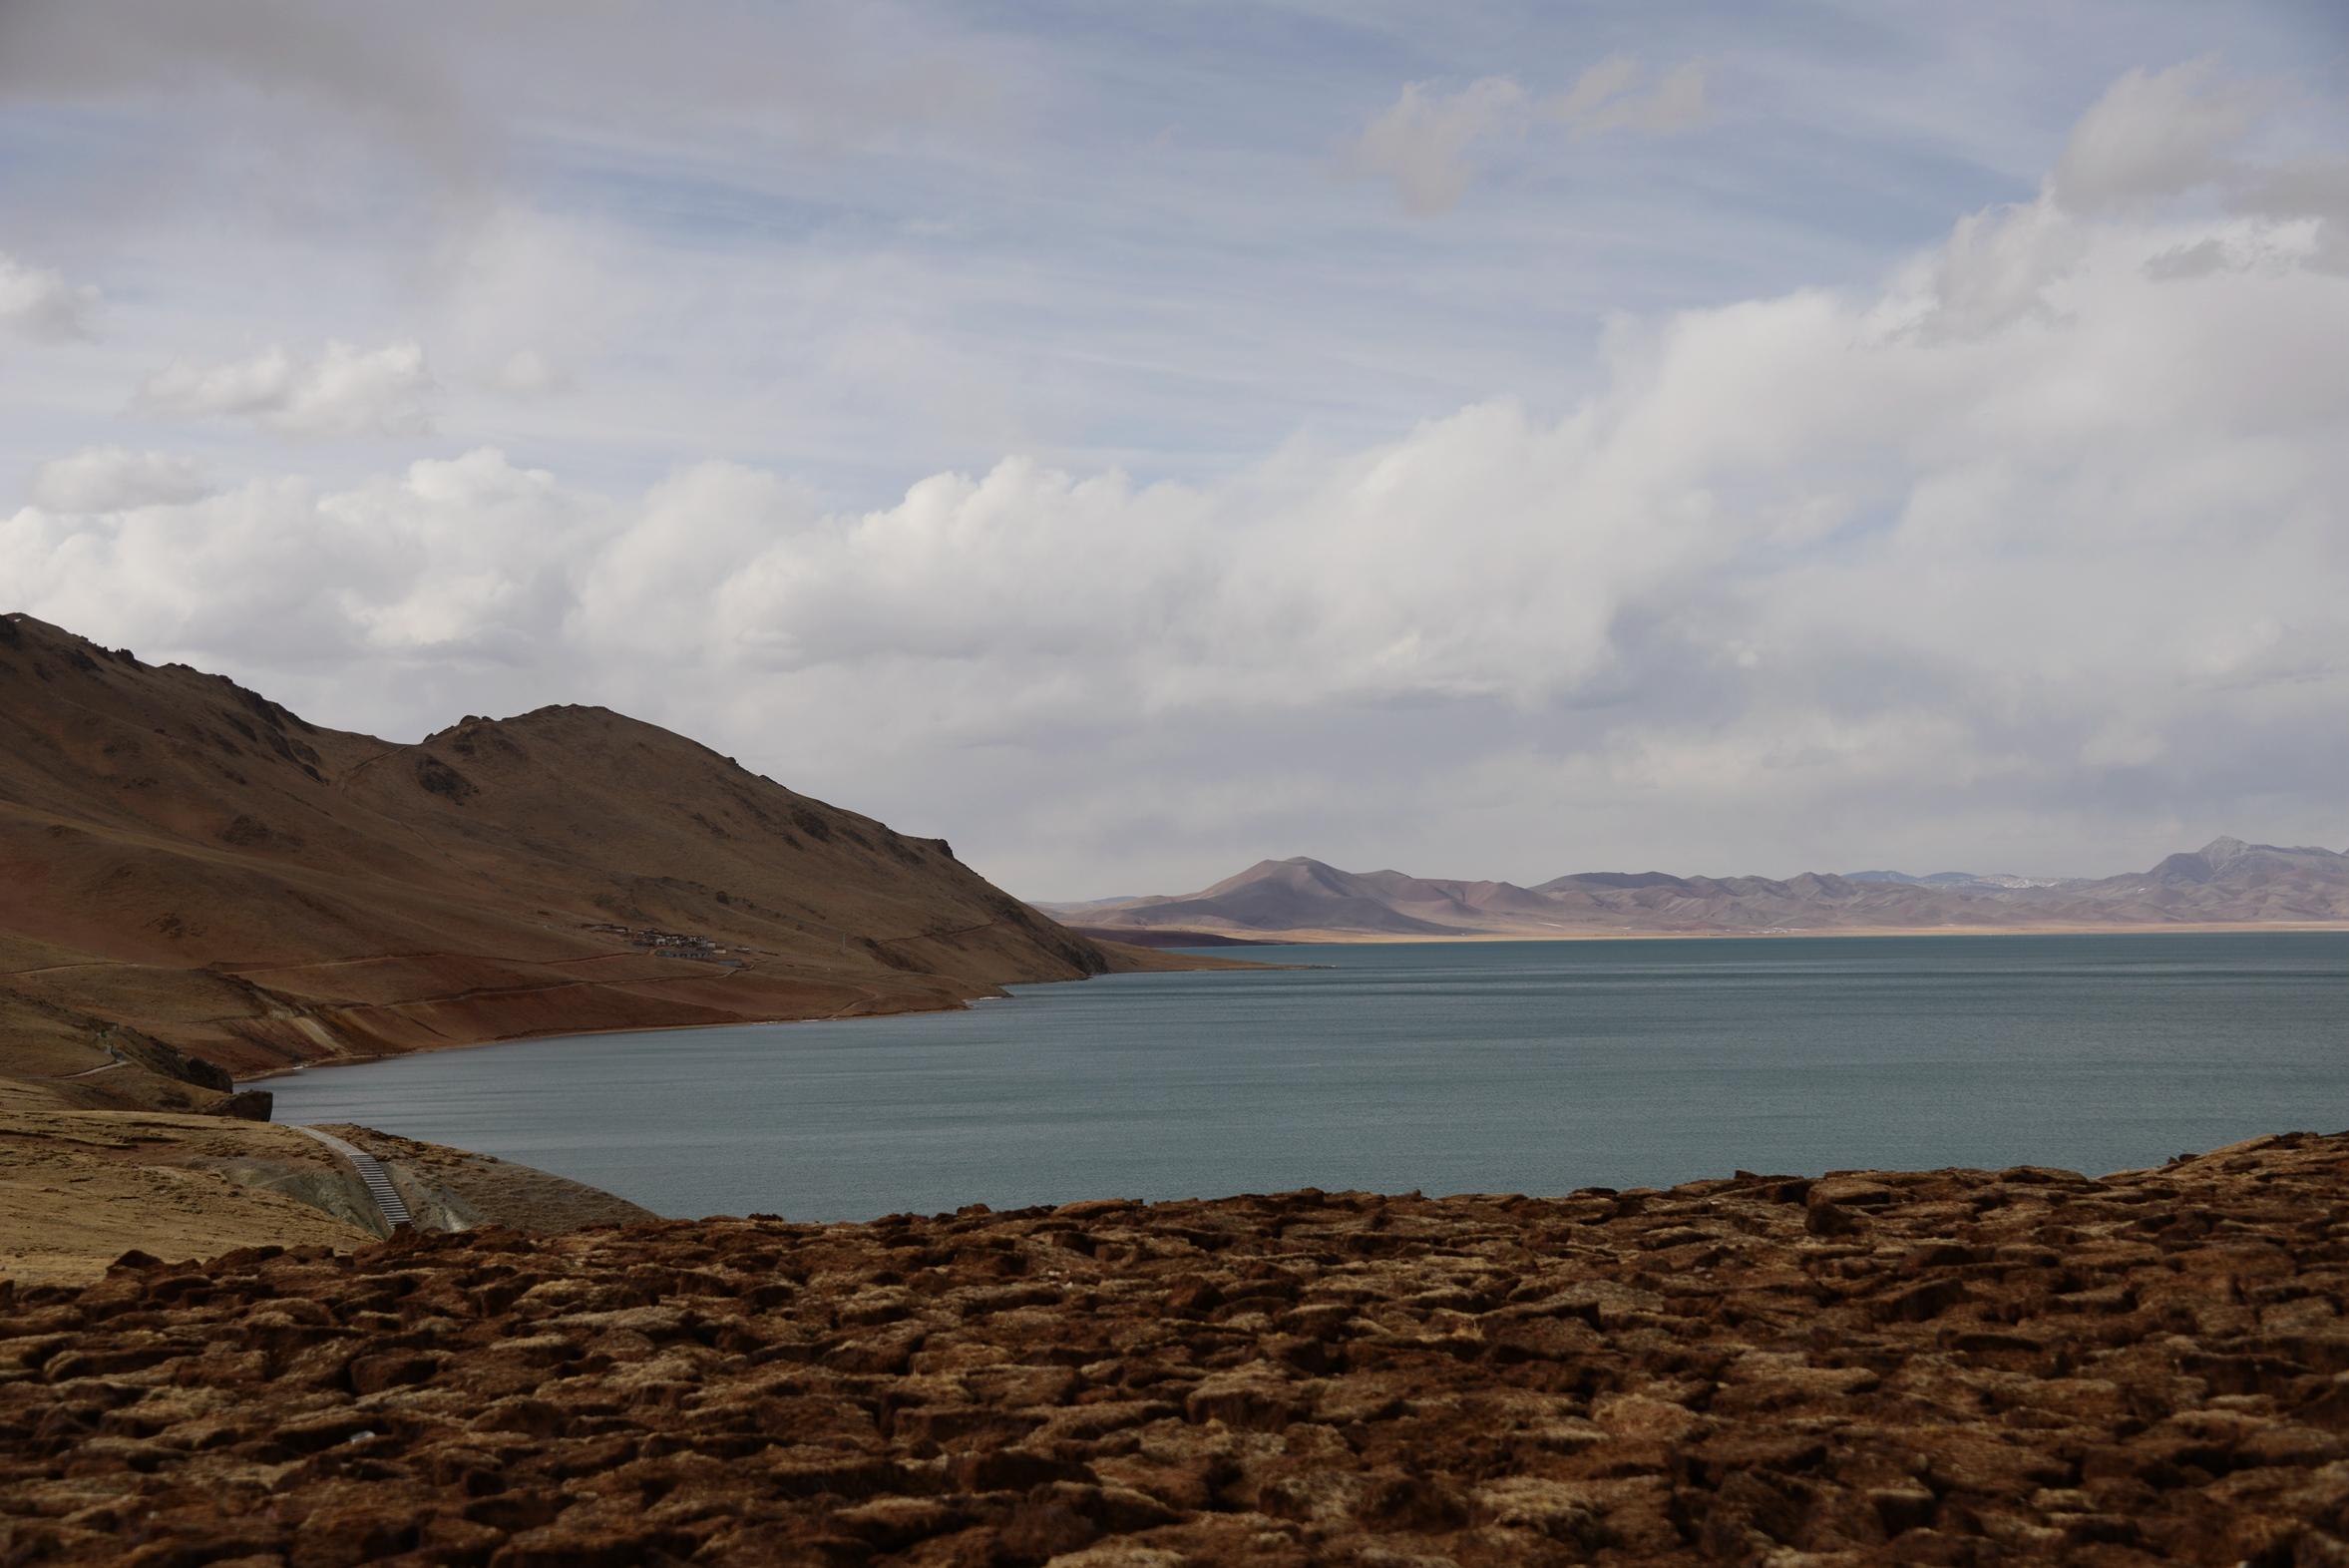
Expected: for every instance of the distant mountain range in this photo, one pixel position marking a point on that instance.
(2225, 883)
(1962, 879)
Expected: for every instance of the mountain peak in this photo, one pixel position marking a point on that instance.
(2227, 882)
(2222, 849)
(506, 876)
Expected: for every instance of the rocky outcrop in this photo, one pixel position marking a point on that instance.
(1950, 1367)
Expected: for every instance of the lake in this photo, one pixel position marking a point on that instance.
(1532, 1068)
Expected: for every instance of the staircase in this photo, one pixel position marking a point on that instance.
(388, 1201)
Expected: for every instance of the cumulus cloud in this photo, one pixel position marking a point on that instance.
(39, 305)
(2153, 135)
(2025, 556)
(2313, 190)
(111, 479)
(2199, 260)
(343, 390)
(1425, 141)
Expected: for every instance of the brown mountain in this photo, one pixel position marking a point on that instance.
(2227, 882)
(188, 869)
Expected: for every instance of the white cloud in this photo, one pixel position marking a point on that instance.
(40, 305)
(2028, 551)
(1997, 268)
(1602, 99)
(2199, 260)
(1426, 140)
(2153, 135)
(1421, 142)
(2315, 191)
(527, 373)
(111, 479)
(342, 391)
(1796, 562)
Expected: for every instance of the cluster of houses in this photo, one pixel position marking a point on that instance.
(670, 944)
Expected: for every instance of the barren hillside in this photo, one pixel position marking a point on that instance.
(186, 867)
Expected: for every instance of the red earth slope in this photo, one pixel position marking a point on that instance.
(184, 862)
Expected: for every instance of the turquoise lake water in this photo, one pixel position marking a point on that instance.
(1532, 1067)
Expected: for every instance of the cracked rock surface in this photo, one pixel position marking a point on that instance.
(1951, 1366)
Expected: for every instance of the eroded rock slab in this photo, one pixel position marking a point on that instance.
(1948, 1368)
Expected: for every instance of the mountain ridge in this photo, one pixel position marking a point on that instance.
(2227, 882)
(189, 871)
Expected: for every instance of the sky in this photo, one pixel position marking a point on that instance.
(1130, 441)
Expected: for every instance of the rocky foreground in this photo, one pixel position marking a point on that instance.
(1942, 1368)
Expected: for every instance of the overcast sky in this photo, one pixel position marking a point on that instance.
(1488, 440)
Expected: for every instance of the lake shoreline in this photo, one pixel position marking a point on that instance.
(1169, 964)
(1441, 1068)
(1302, 940)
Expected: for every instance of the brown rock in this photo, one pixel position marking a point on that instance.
(339, 1537)
(1258, 1397)
(588, 1546)
(1688, 1376)
(394, 1370)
